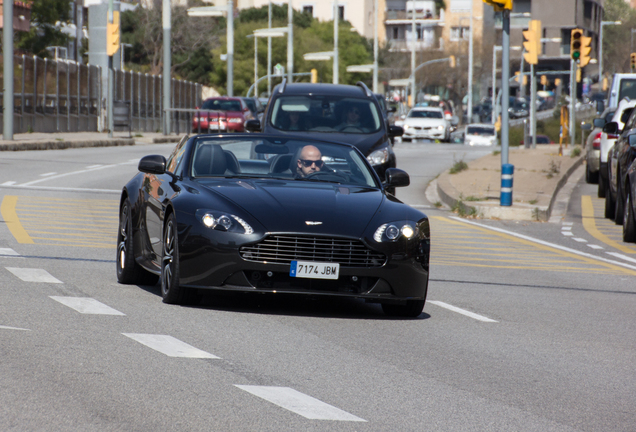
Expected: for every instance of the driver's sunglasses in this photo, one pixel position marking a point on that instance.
(355, 111)
(307, 163)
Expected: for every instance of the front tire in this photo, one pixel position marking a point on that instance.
(629, 224)
(128, 271)
(618, 212)
(412, 309)
(171, 292)
(610, 205)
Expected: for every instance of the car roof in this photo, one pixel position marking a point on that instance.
(230, 98)
(323, 89)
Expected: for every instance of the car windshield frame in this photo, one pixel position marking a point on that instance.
(326, 114)
(272, 158)
(427, 114)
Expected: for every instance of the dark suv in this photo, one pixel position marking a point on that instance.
(344, 113)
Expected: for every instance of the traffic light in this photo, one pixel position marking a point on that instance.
(557, 82)
(532, 44)
(585, 50)
(575, 44)
(632, 61)
(314, 76)
(605, 83)
(112, 35)
(500, 5)
(452, 62)
(544, 80)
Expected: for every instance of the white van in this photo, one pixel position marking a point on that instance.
(623, 85)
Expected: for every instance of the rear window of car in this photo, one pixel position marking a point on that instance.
(222, 105)
(485, 131)
(426, 114)
(627, 89)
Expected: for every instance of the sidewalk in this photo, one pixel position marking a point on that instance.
(539, 174)
(60, 141)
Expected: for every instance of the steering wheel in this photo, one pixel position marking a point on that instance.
(327, 174)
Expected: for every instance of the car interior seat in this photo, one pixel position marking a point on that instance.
(281, 164)
(210, 160)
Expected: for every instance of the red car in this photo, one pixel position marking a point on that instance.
(221, 114)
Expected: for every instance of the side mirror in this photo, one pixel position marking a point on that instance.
(454, 120)
(153, 164)
(392, 109)
(395, 177)
(586, 126)
(395, 131)
(253, 125)
(632, 140)
(611, 128)
(599, 122)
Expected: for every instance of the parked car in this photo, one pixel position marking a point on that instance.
(629, 217)
(236, 212)
(321, 111)
(222, 114)
(593, 146)
(426, 123)
(255, 106)
(623, 86)
(621, 115)
(480, 134)
(621, 156)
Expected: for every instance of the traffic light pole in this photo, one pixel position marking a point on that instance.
(533, 105)
(167, 59)
(7, 47)
(109, 103)
(505, 86)
(572, 98)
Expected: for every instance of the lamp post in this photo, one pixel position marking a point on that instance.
(290, 42)
(209, 11)
(269, 33)
(600, 46)
(375, 45)
(413, 46)
(336, 18)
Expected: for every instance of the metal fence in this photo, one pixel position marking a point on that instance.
(63, 96)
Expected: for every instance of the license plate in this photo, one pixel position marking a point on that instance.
(314, 270)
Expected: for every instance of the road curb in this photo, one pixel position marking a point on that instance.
(63, 145)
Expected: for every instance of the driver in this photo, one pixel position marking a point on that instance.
(351, 118)
(309, 161)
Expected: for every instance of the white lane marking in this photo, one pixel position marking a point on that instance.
(8, 183)
(65, 189)
(93, 166)
(8, 251)
(579, 239)
(169, 346)
(545, 243)
(566, 228)
(12, 328)
(33, 275)
(86, 305)
(595, 246)
(621, 256)
(48, 174)
(424, 206)
(567, 233)
(568, 223)
(67, 174)
(461, 311)
(299, 403)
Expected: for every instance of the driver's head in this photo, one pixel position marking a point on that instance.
(309, 160)
(353, 114)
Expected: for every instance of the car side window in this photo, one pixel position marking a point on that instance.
(631, 122)
(177, 154)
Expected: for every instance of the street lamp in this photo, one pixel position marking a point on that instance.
(268, 33)
(336, 19)
(600, 45)
(469, 111)
(209, 11)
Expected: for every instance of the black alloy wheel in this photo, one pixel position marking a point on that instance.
(620, 203)
(412, 309)
(629, 222)
(610, 205)
(128, 271)
(171, 292)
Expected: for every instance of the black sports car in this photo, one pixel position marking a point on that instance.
(265, 213)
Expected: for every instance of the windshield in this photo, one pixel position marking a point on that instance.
(301, 160)
(628, 89)
(320, 113)
(426, 114)
(485, 131)
(250, 104)
(222, 105)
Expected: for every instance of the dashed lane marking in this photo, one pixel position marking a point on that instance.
(12, 328)
(299, 403)
(169, 346)
(33, 275)
(462, 311)
(8, 252)
(87, 306)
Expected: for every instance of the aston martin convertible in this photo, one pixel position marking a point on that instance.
(261, 213)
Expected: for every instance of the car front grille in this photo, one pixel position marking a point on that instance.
(281, 249)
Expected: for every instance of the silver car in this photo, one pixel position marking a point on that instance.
(593, 146)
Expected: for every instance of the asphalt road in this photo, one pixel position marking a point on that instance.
(525, 328)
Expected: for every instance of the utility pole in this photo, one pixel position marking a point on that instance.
(269, 50)
(375, 45)
(167, 60)
(7, 50)
(336, 19)
(290, 43)
(230, 48)
(413, 41)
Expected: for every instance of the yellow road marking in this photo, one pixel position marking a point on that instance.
(11, 218)
(589, 223)
(585, 262)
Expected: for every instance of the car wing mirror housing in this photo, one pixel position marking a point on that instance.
(611, 128)
(599, 122)
(253, 125)
(395, 131)
(395, 177)
(153, 164)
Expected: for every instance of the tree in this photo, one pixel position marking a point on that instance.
(617, 38)
(45, 30)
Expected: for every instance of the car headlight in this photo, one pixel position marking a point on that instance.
(440, 127)
(405, 127)
(379, 157)
(235, 120)
(223, 222)
(393, 231)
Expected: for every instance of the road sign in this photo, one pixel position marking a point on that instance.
(279, 70)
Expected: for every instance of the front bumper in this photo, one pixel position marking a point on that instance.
(411, 133)
(214, 127)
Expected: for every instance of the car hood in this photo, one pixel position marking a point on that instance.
(288, 206)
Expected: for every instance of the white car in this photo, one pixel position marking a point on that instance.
(478, 134)
(427, 123)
